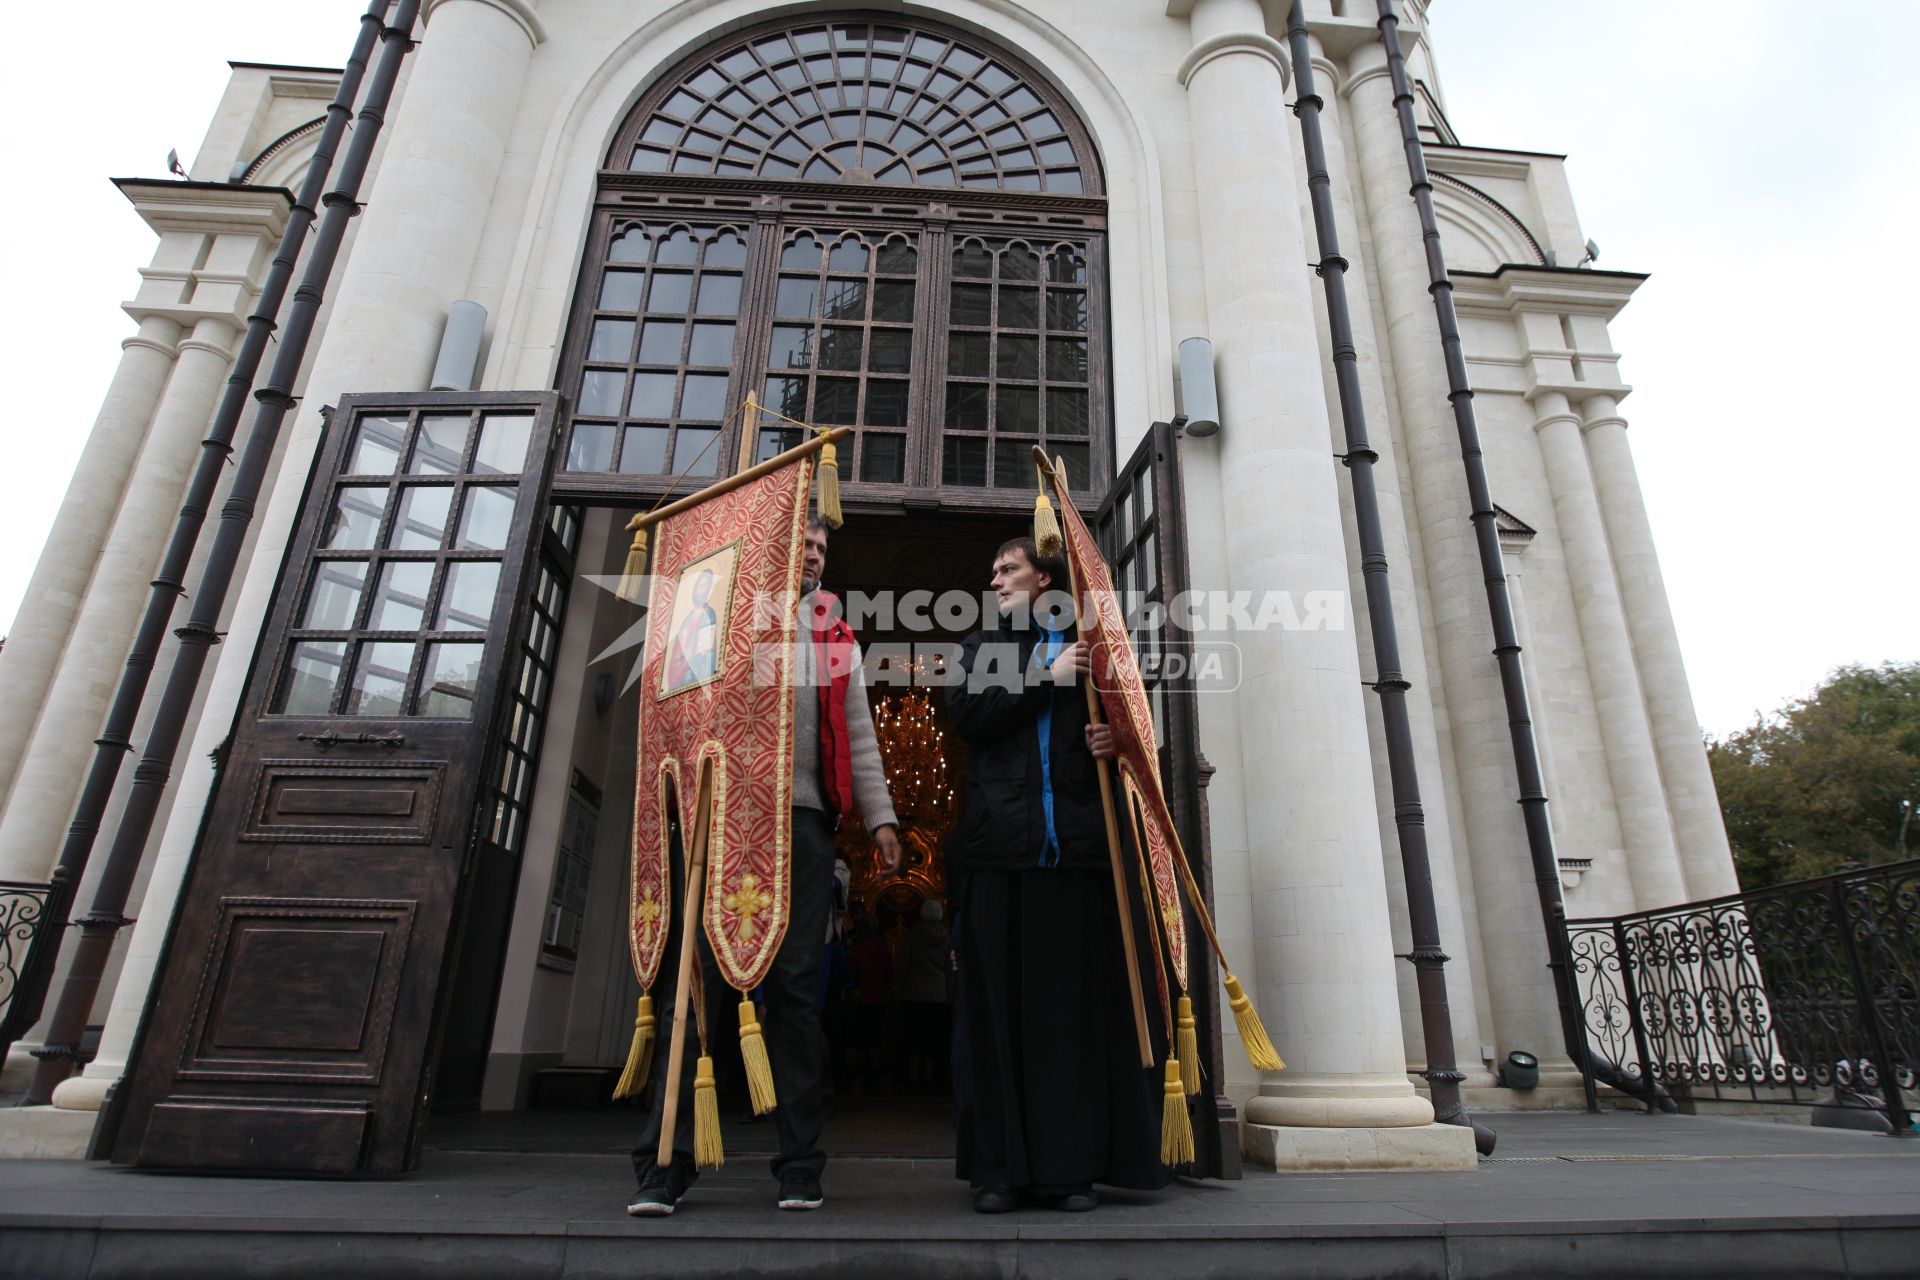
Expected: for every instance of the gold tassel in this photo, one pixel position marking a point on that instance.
(1253, 1036)
(1176, 1130)
(828, 477)
(640, 1054)
(636, 569)
(1046, 526)
(1189, 1047)
(753, 1050)
(708, 1153)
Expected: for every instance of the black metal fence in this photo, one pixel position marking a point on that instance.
(1803, 993)
(23, 917)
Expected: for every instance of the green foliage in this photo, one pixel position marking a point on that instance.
(1821, 782)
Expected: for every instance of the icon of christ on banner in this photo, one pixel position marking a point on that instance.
(700, 601)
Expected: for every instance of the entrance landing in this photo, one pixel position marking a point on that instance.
(1567, 1195)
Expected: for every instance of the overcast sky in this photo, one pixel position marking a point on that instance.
(1756, 161)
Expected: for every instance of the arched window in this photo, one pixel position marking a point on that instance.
(879, 224)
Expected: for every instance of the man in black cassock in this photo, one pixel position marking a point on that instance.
(1049, 1091)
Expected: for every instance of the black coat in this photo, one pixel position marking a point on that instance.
(1002, 820)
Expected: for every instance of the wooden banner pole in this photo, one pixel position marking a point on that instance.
(732, 482)
(683, 984)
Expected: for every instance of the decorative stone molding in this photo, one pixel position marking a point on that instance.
(1361, 76)
(1514, 532)
(279, 144)
(1505, 216)
(1259, 44)
(208, 208)
(1546, 420)
(521, 11)
(164, 349)
(222, 353)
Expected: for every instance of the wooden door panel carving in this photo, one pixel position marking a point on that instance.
(320, 801)
(300, 989)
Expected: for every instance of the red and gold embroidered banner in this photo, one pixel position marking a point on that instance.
(716, 691)
(1123, 697)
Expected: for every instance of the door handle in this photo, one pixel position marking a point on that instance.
(331, 739)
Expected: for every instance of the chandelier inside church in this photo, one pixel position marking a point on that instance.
(923, 772)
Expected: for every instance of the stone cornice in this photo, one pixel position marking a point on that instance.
(1516, 288)
(521, 11)
(1220, 45)
(208, 208)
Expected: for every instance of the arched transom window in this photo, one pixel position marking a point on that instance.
(877, 224)
(860, 100)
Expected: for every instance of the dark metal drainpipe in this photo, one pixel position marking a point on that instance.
(1409, 818)
(1506, 642)
(98, 927)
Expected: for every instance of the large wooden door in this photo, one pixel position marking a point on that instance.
(297, 1012)
(1141, 525)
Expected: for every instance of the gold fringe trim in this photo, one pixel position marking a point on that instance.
(708, 1153)
(640, 1054)
(1188, 1047)
(636, 568)
(1176, 1130)
(828, 478)
(753, 1050)
(1253, 1036)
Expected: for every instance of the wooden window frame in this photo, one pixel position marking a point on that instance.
(765, 212)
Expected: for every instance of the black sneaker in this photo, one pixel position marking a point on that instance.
(998, 1198)
(661, 1191)
(800, 1189)
(1079, 1200)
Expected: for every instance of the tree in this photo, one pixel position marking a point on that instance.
(1828, 779)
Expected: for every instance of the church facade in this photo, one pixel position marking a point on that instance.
(962, 228)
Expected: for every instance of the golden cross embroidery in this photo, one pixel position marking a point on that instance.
(647, 913)
(747, 901)
(1171, 915)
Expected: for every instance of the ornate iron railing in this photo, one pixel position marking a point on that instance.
(23, 955)
(1793, 994)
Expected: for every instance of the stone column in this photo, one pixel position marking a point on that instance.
(1513, 955)
(36, 817)
(1457, 935)
(1323, 944)
(1705, 858)
(59, 583)
(1653, 863)
(425, 209)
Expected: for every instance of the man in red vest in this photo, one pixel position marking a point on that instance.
(836, 771)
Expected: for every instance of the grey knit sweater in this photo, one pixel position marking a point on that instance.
(869, 775)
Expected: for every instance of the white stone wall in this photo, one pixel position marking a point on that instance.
(485, 192)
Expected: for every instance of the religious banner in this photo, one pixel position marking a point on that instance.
(1122, 698)
(716, 691)
(716, 726)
